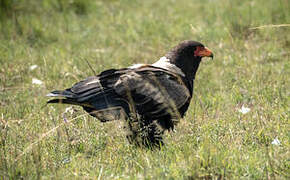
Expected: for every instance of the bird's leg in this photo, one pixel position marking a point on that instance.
(143, 132)
(132, 126)
(151, 135)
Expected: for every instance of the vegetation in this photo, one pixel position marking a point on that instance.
(216, 140)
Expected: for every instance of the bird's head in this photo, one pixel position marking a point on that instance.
(187, 55)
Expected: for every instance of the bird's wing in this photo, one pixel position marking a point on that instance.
(153, 91)
(94, 85)
(94, 94)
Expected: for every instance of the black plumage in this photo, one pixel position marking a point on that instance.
(150, 97)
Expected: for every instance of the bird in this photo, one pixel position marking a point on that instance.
(150, 98)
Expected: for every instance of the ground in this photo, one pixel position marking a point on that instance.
(237, 126)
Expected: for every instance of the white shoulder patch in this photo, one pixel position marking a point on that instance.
(165, 63)
(134, 66)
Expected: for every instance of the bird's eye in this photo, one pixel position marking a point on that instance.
(197, 50)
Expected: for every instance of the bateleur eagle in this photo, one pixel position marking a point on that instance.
(151, 98)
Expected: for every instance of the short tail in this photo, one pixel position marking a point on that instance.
(65, 97)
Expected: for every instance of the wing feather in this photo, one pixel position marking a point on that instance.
(153, 91)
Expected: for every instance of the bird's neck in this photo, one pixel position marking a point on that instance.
(183, 66)
(185, 61)
(188, 66)
(192, 70)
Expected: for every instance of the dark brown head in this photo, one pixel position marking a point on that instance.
(187, 55)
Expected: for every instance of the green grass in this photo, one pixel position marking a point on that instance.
(214, 140)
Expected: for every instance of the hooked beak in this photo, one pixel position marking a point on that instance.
(203, 52)
(206, 53)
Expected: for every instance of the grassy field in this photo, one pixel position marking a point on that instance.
(214, 141)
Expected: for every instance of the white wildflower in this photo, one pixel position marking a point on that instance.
(33, 67)
(276, 142)
(36, 81)
(100, 50)
(244, 110)
(69, 110)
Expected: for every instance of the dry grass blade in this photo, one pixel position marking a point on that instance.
(270, 26)
(45, 135)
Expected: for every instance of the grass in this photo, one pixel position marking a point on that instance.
(213, 141)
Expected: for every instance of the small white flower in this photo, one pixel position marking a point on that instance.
(69, 110)
(36, 81)
(244, 110)
(276, 142)
(100, 50)
(33, 67)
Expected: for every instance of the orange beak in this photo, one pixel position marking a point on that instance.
(203, 52)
